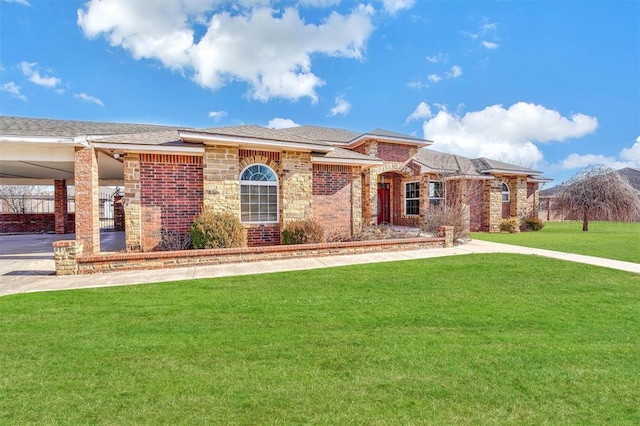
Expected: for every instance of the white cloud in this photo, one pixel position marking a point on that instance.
(505, 134)
(88, 98)
(13, 89)
(29, 69)
(418, 85)
(422, 112)
(490, 45)
(318, 3)
(270, 50)
(281, 123)
(440, 57)
(632, 154)
(627, 157)
(217, 115)
(434, 78)
(22, 2)
(456, 71)
(341, 107)
(394, 6)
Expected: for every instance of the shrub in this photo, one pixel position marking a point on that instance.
(456, 215)
(171, 240)
(302, 232)
(511, 225)
(217, 230)
(533, 223)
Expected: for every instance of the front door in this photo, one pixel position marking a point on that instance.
(384, 203)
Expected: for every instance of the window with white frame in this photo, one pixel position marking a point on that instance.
(506, 195)
(436, 193)
(258, 194)
(412, 198)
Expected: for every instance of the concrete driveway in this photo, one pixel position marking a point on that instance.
(32, 254)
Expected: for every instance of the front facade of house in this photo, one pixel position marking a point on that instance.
(341, 179)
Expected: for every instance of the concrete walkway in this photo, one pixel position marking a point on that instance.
(24, 273)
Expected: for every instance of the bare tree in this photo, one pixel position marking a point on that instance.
(18, 199)
(599, 192)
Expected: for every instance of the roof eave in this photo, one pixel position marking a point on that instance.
(362, 138)
(142, 148)
(189, 136)
(346, 161)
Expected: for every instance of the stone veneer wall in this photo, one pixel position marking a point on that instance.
(132, 205)
(221, 179)
(332, 198)
(356, 199)
(296, 187)
(518, 189)
(170, 195)
(492, 205)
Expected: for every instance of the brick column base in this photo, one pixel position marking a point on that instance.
(66, 254)
(447, 233)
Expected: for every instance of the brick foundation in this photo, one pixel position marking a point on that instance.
(263, 235)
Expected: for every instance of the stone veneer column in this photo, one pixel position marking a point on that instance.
(373, 196)
(356, 200)
(296, 186)
(132, 203)
(60, 208)
(221, 175)
(493, 205)
(87, 199)
(518, 189)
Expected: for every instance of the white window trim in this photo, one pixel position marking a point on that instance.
(503, 192)
(407, 199)
(260, 183)
(442, 184)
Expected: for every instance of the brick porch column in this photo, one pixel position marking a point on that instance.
(87, 200)
(60, 208)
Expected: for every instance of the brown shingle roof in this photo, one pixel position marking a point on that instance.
(23, 126)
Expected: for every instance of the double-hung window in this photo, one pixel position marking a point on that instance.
(436, 193)
(258, 194)
(412, 198)
(506, 195)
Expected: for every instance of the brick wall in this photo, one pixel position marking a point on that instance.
(398, 201)
(395, 152)
(332, 199)
(170, 194)
(32, 223)
(263, 235)
(475, 199)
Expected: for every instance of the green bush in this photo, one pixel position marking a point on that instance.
(302, 232)
(511, 225)
(217, 230)
(533, 223)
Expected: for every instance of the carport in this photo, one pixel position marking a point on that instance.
(57, 153)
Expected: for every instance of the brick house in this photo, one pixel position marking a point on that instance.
(342, 179)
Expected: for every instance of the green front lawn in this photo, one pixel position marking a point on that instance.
(612, 240)
(474, 339)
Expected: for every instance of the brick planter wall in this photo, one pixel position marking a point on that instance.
(69, 259)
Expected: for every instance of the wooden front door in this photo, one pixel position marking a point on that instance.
(384, 203)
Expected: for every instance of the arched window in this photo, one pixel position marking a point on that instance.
(506, 195)
(258, 194)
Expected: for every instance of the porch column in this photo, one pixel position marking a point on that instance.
(60, 209)
(132, 203)
(518, 189)
(87, 200)
(356, 200)
(493, 205)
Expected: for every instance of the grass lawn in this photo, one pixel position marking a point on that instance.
(612, 240)
(474, 339)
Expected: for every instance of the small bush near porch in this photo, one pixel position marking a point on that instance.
(474, 339)
(611, 240)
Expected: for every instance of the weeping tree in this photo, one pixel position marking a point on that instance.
(599, 192)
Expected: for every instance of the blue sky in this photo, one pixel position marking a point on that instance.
(549, 85)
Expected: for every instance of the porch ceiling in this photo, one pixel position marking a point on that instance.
(37, 164)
